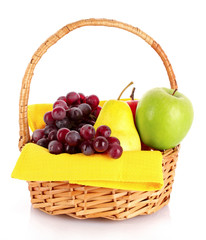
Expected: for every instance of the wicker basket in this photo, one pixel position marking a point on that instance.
(85, 201)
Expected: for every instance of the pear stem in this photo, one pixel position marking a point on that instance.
(174, 92)
(132, 94)
(124, 90)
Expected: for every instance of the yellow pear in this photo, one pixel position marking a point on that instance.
(117, 115)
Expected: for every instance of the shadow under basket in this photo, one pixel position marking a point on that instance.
(85, 201)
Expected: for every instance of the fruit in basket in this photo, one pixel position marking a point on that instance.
(48, 119)
(86, 148)
(52, 135)
(100, 144)
(55, 147)
(62, 98)
(96, 111)
(64, 123)
(58, 113)
(115, 151)
(61, 103)
(85, 108)
(69, 127)
(37, 134)
(43, 142)
(61, 134)
(93, 101)
(104, 131)
(72, 138)
(87, 132)
(48, 129)
(118, 117)
(69, 149)
(82, 97)
(163, 118)
(112, 140)
(133, 104)
(75, 114)
(72, 98)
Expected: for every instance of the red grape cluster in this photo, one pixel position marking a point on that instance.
(69, 128)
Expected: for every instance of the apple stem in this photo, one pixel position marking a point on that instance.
(124, 90)
(132, 94)
(174, 92)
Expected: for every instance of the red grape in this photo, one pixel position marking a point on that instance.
(62, 98)
(112, 140)
(61, 134)
(37, 134)
(80, 125)
(60, 103)
(48, 129)
(86, 148)
(93, 101)
(48, 119)
(72, 98)
(69, 128)
(82, 97)
(97, 111)
(87, 131)
(75, 114)
(64, 123)
(100, 144)
(55, 147)
(58, 113)
(85, 108)
(115, 151)
(91, 122)
(104, 131)
(73, 138)
(52, 135)
(43, 142)
(70, 149)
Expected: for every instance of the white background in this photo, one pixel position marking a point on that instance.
(102, 61)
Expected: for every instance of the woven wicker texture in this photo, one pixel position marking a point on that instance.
(91, 202)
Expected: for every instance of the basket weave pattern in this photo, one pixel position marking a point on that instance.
(91, 202)
(85, 201)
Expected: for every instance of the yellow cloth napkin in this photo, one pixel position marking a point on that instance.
(36, 115)
(134, 170)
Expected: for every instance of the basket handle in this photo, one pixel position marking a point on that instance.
(24, 95)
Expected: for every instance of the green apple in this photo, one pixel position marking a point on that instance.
(163, 118)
